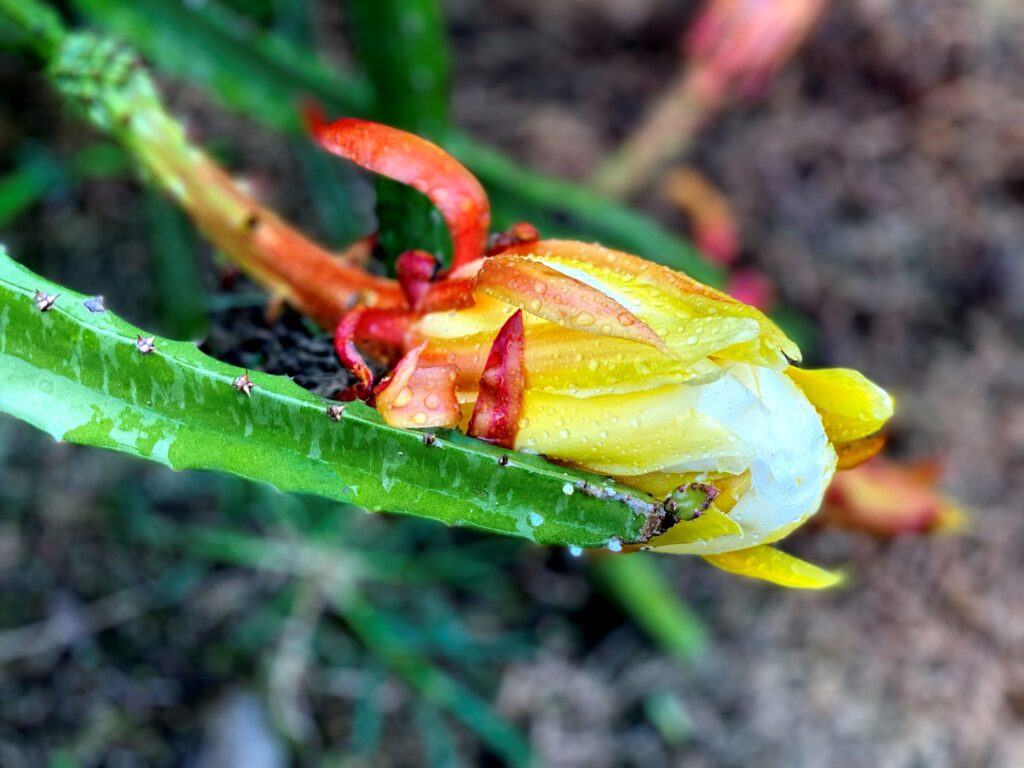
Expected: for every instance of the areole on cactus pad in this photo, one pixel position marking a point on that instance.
(604, 361)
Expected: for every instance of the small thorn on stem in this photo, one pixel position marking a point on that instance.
(335, 412)
(145, 345)
(429, 439)
(503, 460)
(45, 301)
(95, 305)
(244, 384)
(250, 222)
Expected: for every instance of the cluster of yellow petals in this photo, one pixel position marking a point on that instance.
(637, 371)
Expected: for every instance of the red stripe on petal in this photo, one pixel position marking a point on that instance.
(415, 397)
(564, 300)
(426, 167)
(500, 398)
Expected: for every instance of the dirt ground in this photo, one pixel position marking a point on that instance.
(880, 183)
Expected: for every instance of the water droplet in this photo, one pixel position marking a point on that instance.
(535, 519)
(575, 551)
(403, 397)
(433, 401)
(567, 489)
(625, 318)
(420, 418)
(583, 318)
(564, 434)
(615, 545)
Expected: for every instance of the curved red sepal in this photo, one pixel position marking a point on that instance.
(426, 167)
(381, 330)
(500, 398)
(345, 347)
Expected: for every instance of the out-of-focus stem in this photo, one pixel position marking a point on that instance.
(120, 98)
(663, 136)
(42, 26)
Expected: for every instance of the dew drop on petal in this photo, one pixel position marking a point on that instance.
(403, 397)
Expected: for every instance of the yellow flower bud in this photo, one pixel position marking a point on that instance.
(637, 371)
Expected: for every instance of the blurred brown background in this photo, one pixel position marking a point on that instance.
(878, 181)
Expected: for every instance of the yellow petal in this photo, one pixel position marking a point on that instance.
(661, 484)
(851, 406)
(630, 434)
(487, 315)
(711, 524)
(776, 566)
(675, 305)
(855, 452)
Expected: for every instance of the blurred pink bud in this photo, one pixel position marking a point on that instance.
(753, 287)
(736, 46)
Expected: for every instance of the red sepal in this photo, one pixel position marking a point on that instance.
(345, 347)
(426, 167)
(382, 331)
(500, 398)
(415, 397)
(415, 271)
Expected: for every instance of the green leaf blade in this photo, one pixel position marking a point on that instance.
(79, 376)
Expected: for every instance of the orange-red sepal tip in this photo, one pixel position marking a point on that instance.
(415, 270)
(426, 167)
(500, 398)
(413, 397)
(518, 234)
